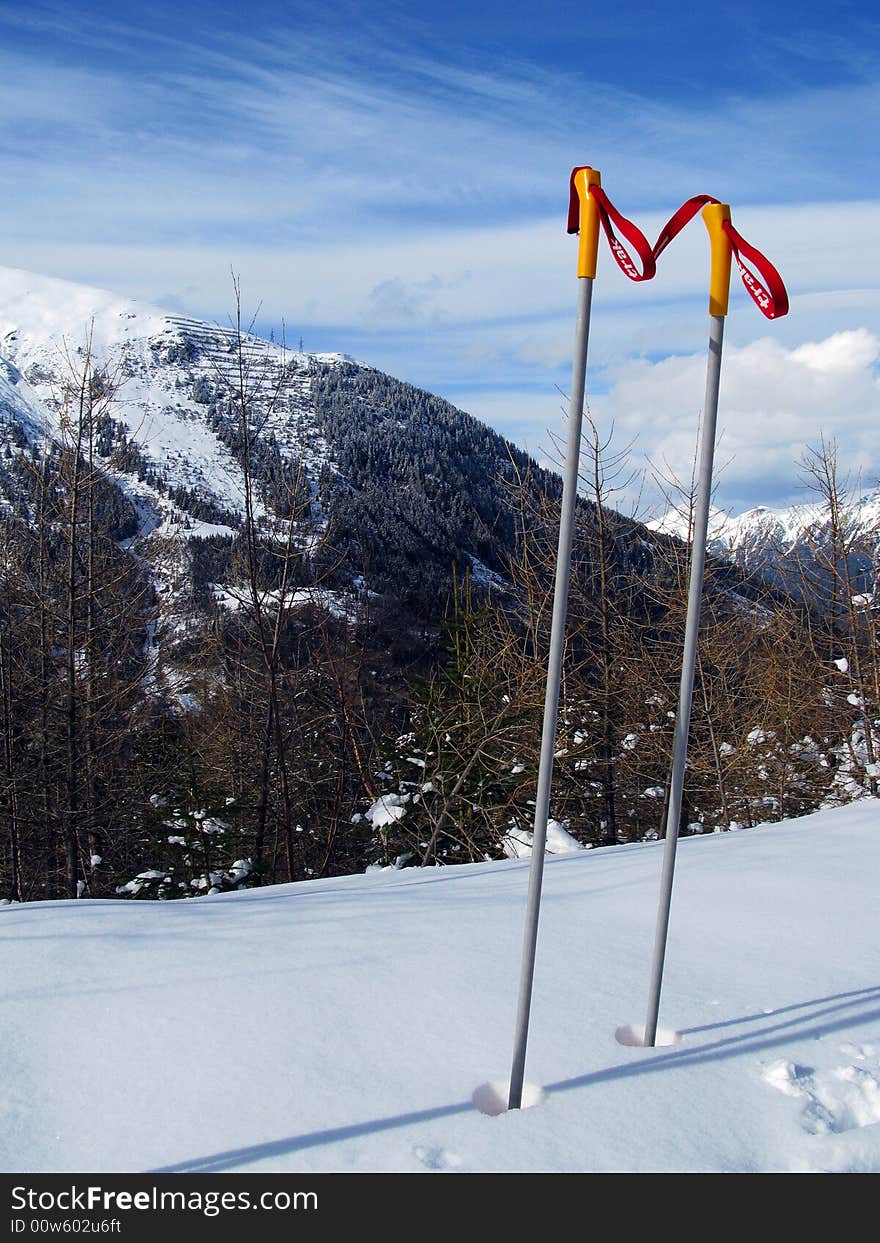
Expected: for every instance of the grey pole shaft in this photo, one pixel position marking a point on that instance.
(689, 662)
(554, 678)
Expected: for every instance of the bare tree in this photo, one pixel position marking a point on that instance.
(838, 545)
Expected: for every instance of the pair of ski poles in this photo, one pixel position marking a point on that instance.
(589, 210)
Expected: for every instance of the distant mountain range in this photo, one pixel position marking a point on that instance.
(792, 548)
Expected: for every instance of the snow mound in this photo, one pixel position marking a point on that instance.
(387, 809)
(518, 843)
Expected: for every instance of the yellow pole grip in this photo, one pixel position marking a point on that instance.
(588, 233)
(719, 281)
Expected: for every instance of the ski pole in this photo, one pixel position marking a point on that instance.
(715, 215)
(588, 246)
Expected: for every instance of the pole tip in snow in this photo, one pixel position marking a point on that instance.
(583, 217)
(714, 216)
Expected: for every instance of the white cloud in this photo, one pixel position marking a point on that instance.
(306, 132)
(774, 403)
(482, 276)
(844, 351)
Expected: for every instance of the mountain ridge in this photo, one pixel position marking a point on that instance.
(179, 386)
(789, 546)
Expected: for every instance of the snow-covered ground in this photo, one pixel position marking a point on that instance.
(345, 1025)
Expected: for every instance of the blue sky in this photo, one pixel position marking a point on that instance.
(391, 181)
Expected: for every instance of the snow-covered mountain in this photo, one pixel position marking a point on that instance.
(231, 637)
(413, 485)
(165, 370)
(792, 548)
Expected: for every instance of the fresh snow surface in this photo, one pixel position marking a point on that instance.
(43, 308)
(333, 602)
(349, 1024)
(19, 404)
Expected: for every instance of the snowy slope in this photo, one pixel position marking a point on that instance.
(168, 374)
(158, 358)
(36, 310)
(345, 1024)
(19, 405)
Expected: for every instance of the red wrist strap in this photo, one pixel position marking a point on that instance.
(610, 216)
(768, 293)
(770, 297)
(676, 223)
